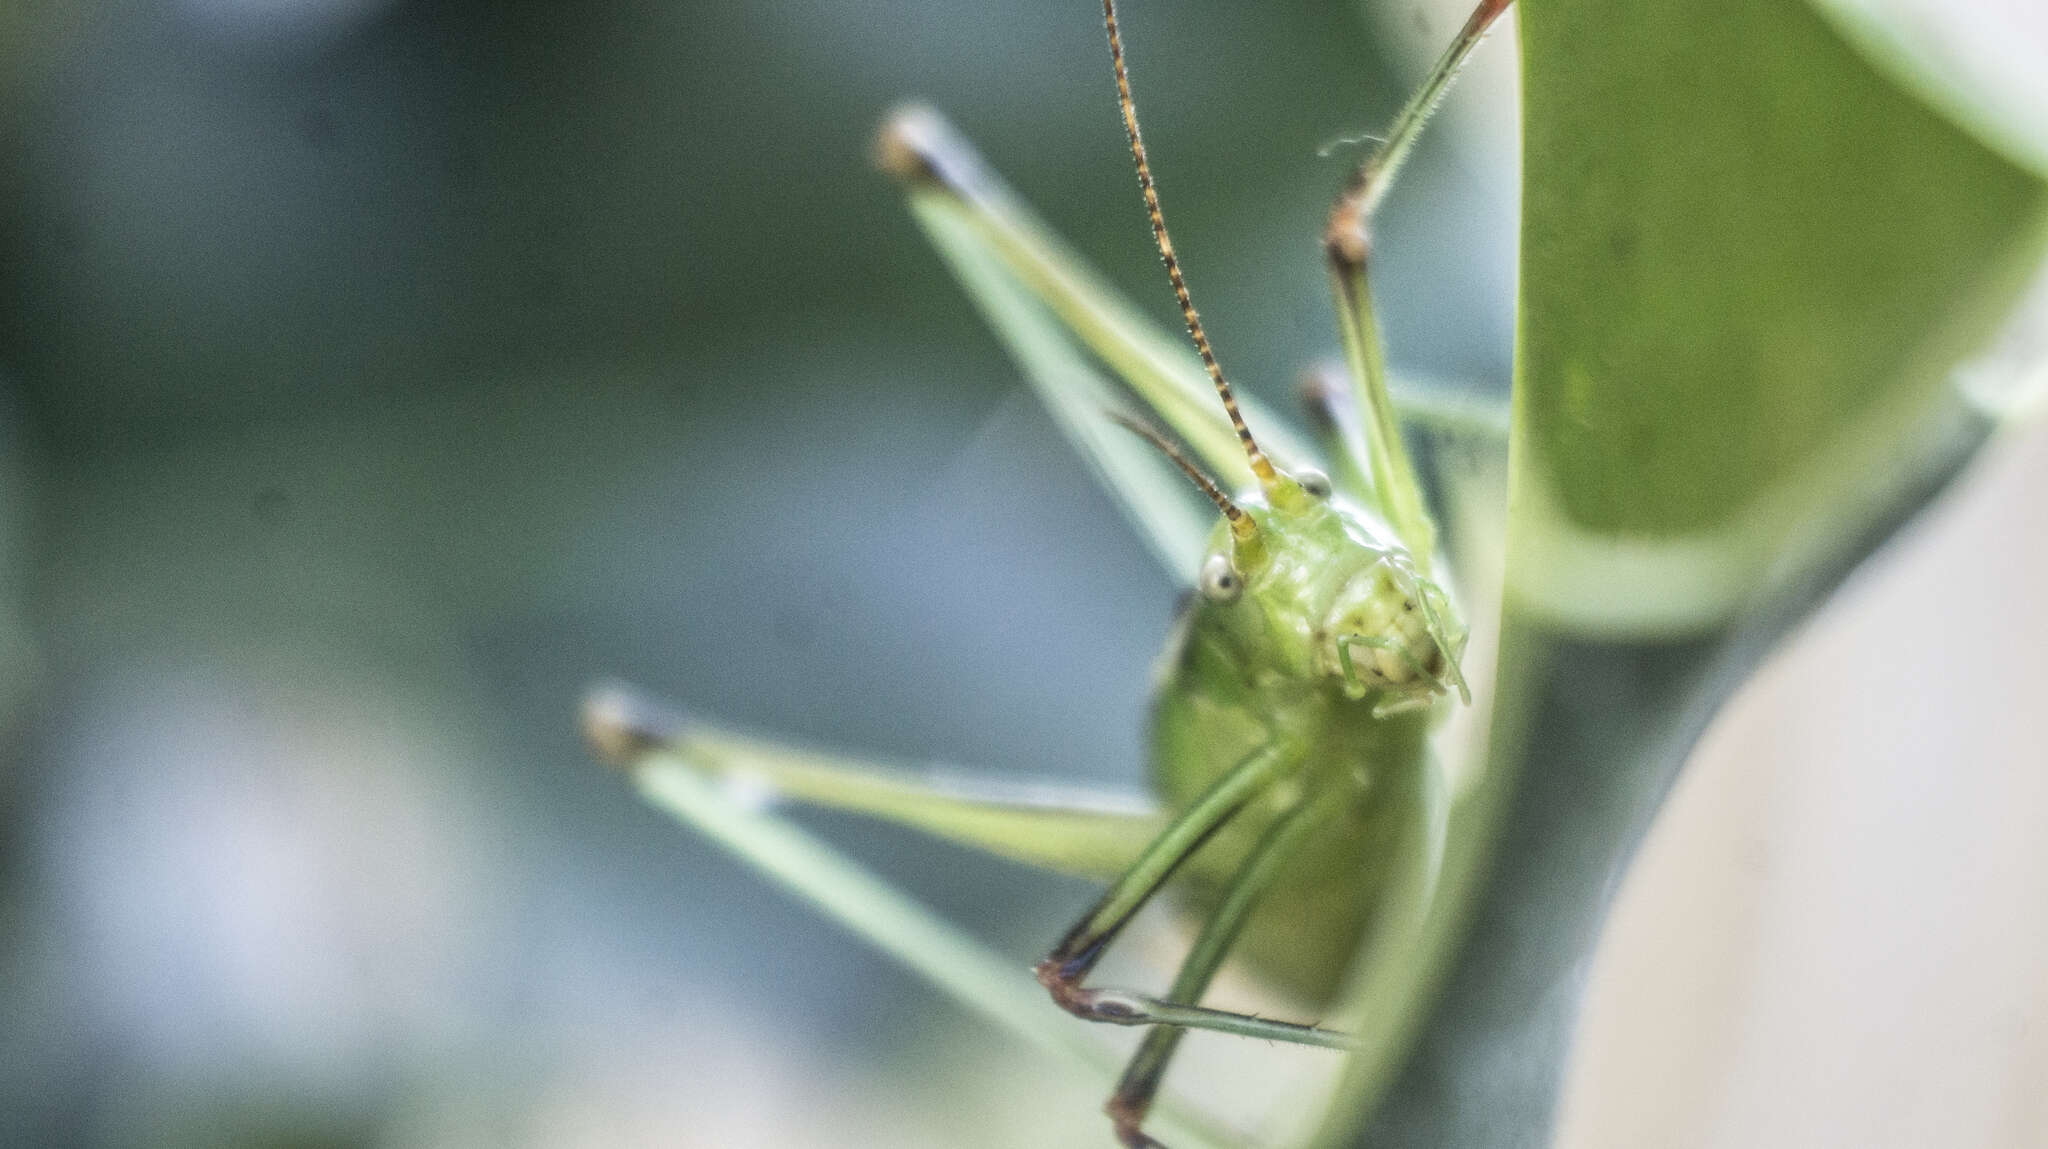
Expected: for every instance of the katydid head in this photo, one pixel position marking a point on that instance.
(1311, 578)
(1392, 633)
(1329, 597)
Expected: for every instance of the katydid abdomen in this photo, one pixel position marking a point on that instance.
(1211, 710)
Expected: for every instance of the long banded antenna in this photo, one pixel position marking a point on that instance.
(1257, 458)
(1241, 524)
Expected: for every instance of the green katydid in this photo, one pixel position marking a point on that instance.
(1291, 732)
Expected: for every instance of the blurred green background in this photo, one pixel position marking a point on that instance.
(378, 373)
(375, 374)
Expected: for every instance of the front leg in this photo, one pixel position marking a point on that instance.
(1347, 242)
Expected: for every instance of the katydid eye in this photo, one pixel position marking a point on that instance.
(1314, 482)
(1219, 582)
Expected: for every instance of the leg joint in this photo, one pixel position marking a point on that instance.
(1346, 241)
(1127, 1117)
(1105, 1005)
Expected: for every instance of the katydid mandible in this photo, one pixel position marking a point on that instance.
(1290, 740)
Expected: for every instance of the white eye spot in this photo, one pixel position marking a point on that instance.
(1314, 482)
(1219, 581)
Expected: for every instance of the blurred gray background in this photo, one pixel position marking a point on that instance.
(374, 374)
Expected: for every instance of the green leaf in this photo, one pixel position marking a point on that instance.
(1751, 261)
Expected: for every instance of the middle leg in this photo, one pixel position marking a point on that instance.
(1139, 1087)
(1063, 970)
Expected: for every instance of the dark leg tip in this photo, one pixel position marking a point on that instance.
(1128, 1120)
(919, 147)
(905, 142)
(620, 724)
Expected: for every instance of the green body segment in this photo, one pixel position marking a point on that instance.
(1262, 666)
